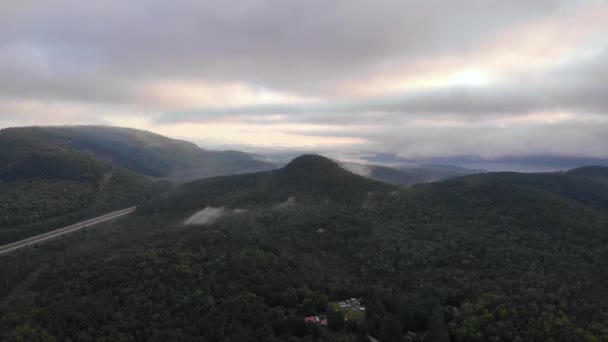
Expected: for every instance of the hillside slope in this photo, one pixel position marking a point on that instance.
(140, 151)
(307, 179)
(408, 175)
(43, 187)
(499, 256)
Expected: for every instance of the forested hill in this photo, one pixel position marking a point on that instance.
(409, 175)
(593, 173)
(586, 186)
(44, 187)
(492, 257)
(307, 179)
(140, 151)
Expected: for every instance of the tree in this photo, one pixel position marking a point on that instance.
(390, 330)
(308, 307)
(322, 302)
(437, 329)
(335, 318)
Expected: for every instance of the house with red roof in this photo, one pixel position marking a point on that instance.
(311, 319)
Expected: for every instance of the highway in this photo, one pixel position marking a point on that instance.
(62, 231)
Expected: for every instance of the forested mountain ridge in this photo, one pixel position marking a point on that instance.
(44, 187)
(53, 176)
(595, 173)
(586, 186)
(408, 175)
(140, 151)
(492, 257)
(307, 179)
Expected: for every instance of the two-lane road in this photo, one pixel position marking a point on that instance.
(58, 232)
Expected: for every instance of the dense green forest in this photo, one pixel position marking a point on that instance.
(492, 257)
(409, 174)
(56, 175)
(43, 187)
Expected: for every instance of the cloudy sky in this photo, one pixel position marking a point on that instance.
(418, 78)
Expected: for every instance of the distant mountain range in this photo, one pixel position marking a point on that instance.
(408, 175)
(54, 175)
(384, 170)
(529, 163)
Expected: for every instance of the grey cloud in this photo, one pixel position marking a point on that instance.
(577, 86)
(437, 102)
(567, 89)
(296, 45)
(582, 138)
(11, 117)
(31, 72)
(103, 53)
(566, 138)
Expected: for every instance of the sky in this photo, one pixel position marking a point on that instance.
(418, 79)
